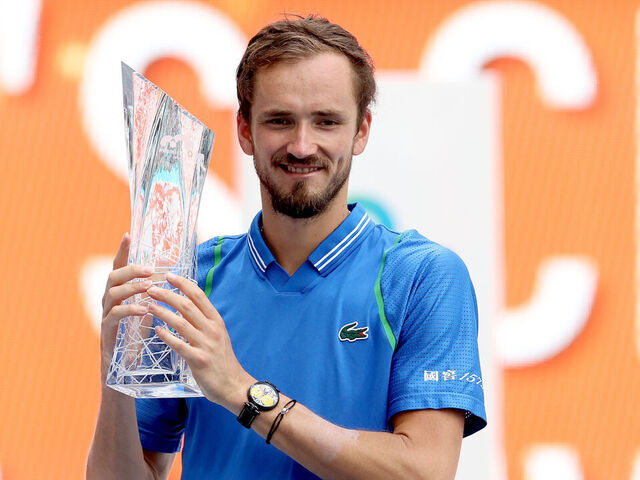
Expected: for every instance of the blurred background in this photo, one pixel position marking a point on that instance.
(506, 130)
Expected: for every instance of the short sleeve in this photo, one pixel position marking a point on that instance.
(161, 423)
(431, 304)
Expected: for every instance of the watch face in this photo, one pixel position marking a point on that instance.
(264, 395)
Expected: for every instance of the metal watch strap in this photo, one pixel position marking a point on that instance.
(248, 414)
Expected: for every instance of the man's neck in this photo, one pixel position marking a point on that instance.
(291, 240)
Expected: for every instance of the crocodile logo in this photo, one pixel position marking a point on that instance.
(350, 333)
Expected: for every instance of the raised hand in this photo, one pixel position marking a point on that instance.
(207, 348)
(116, 291)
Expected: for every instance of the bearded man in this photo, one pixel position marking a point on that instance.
(348, 347)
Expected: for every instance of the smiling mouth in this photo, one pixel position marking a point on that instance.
(294, 169)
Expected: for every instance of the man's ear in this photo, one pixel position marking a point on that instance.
(244, 134)
(362, 136)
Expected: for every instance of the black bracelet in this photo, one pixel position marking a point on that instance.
(278, 419)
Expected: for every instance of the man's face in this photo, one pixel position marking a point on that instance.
(304, 132)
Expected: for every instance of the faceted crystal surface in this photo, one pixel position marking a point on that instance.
(168, 153)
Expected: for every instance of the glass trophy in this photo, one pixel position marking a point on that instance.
(168, 153)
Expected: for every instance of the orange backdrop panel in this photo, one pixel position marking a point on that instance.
(568, 186)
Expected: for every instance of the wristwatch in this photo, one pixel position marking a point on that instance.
(262, 396)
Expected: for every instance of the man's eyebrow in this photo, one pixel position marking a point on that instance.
(284, 113)
(274, 113)
(328, 113)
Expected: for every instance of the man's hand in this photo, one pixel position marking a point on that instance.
(116, 291)
(116, 451)
(208, 352)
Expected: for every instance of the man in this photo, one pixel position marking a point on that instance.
(372, 332)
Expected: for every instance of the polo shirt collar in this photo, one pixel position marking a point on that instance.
(328, 254)
(342, 240)
(258, 250)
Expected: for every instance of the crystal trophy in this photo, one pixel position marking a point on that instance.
(168, 153)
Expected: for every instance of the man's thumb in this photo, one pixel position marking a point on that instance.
(123, 252)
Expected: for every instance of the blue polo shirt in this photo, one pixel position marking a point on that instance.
(373, 323)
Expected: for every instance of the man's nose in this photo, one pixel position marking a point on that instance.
(302, 143)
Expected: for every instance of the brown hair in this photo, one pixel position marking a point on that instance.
(291, 40)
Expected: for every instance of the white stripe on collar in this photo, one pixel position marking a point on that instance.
(255, 254)
(354, 234)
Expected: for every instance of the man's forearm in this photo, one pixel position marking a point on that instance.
(331, 451)
(116, 451)
(334, 452)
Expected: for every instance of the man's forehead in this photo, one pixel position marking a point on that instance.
(323, 82)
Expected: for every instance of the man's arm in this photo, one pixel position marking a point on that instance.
(424, 443)
(116, 451)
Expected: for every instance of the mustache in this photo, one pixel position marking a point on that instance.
(289, 159)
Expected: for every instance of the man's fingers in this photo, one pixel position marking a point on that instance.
(181, 347)
(118, 312)
(195, 294)
(186, 330)
(115, 295)
(125, 274)
(184, 305)
(123, 252)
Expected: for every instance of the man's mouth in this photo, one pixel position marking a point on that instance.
(298, 169)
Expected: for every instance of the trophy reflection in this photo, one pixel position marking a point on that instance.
(168, 153)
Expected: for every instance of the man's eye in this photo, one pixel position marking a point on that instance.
(278, 121)
(328, 123)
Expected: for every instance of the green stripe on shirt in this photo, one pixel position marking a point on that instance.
(383, 317)
(216, 260)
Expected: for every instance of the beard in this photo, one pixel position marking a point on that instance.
(300, 202)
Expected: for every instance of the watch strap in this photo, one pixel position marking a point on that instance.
(248, 414)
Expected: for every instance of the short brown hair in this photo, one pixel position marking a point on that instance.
(291, 40)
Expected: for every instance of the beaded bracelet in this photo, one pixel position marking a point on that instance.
(278, 419)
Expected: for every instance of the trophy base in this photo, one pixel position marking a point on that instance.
(157, 390)
(154, 383)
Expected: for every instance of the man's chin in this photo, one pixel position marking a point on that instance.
(299, 210)
(302, 201)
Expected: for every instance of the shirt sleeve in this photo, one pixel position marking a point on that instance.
(161, 423)
(431, 304)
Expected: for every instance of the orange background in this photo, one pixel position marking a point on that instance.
(568, 188)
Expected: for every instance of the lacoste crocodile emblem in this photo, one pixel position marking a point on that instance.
(350, 333)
